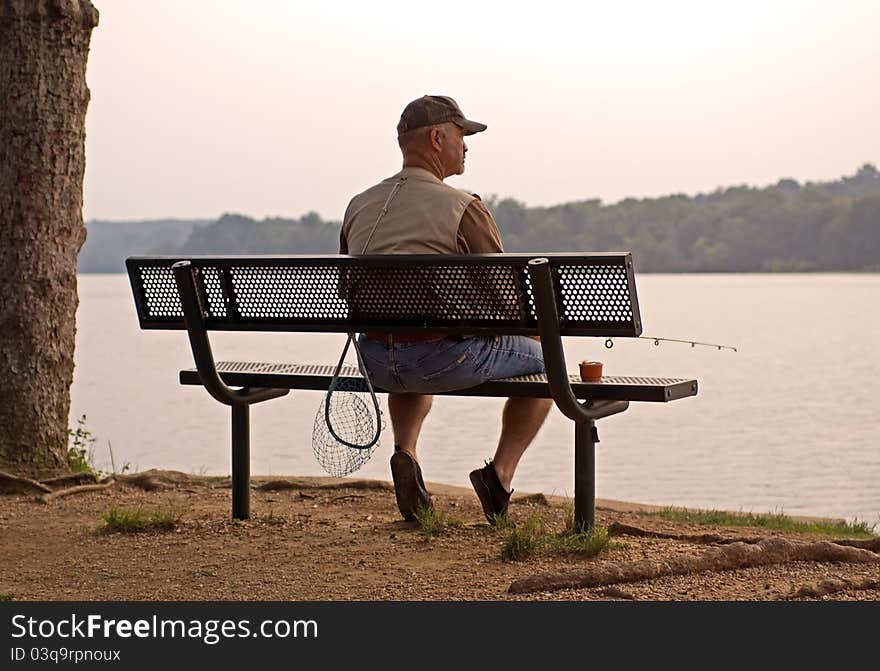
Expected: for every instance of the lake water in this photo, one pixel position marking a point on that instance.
(789, 423)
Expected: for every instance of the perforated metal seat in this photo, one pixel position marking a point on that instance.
(318, 377)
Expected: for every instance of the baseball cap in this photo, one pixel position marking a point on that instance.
(430, 110)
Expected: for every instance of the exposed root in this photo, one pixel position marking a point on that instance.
(79, 489)
(145, 481)
(872, 544)
(276, 486)
(17, 484)
(618, 529)
(832, 586)
(82, 478)
(157, 480)
(729, 557)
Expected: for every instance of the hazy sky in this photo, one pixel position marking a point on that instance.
(279, 107)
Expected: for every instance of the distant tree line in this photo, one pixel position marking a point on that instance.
(237, 234)
(785, 227)
(817, 226)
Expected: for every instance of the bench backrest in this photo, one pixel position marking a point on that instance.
(478, 294)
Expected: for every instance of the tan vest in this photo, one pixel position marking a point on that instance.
(422, 217)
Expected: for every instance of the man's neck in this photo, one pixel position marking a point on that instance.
(433, 167)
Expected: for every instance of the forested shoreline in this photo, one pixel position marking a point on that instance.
(786, 227)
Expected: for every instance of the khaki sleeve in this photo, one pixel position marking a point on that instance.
(343, 243)
(477, 232)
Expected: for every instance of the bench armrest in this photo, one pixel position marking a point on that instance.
(194, 318)
(554, 354)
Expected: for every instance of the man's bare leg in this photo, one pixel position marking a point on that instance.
(520, 421)
(408, 411)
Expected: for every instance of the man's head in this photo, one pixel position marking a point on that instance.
(431, 135)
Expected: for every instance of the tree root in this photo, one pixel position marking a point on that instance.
(277, 486)
(872, 544)
(146, 482)
(82, 478)
(618, 529)
(79, 489)
(157, 480)
(832, 586)
(729, 557)
(17, 484)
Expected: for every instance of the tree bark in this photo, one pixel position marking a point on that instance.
(44, 46)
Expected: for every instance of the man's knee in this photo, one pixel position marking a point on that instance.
(408, 405)
(409, 398)
(526, 407)
(532, 401)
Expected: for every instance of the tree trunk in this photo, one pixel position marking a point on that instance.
(44, 46)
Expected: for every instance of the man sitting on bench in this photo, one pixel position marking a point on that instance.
(414, 212)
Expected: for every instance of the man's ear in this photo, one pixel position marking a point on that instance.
(435, 137)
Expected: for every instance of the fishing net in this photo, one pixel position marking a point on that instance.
(348, 423)
(346, 430)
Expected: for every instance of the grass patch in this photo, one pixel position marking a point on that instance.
(502, 521)
(583, 543)
(433, 523)
(9, 596)
(534, 537)
(527, 540)
(125, 520)
(770, 521)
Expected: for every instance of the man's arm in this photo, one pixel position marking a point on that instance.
(477, 232)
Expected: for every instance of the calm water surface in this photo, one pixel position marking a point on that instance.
(789, 423)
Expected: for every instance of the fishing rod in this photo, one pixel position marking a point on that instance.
(609, 342)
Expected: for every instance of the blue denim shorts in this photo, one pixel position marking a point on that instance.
(450, 363)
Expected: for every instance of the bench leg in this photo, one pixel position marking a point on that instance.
(585, 475)
(241, 461)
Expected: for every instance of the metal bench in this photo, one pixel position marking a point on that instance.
(492, 294)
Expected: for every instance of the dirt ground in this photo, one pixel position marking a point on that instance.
(334, 540)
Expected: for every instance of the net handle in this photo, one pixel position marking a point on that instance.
(351, 339)
(357, 350)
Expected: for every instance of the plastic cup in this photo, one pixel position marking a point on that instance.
(591, 371)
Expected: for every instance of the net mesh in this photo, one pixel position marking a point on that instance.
(353, 417)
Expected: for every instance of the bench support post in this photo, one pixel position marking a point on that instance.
(585, 475)
(241, 461)
(194, 316)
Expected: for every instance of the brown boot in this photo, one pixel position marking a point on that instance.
(409, 487)
(492, 495)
